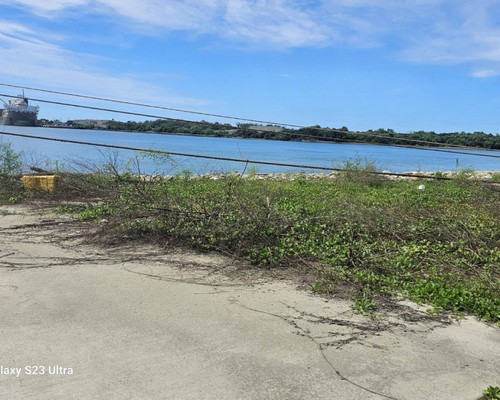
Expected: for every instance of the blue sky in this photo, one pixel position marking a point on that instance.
(402, 64)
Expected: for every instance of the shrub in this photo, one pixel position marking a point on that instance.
(360, 171)
(10, 168)
(10, 161)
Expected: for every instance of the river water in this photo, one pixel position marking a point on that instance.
(394, 159)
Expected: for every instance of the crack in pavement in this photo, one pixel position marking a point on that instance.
(195, 281)
(291, 321)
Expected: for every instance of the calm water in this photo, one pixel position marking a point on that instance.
(40, 152)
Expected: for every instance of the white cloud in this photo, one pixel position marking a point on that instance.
(465, 33)
(46, 5)
(486, 73)
(28, 57)
(272, 22)
(163, 15)
(267, 22)
(424, 31)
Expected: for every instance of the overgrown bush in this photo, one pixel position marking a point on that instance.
(10, 161)
(361, 171)
(10, 169)
(438, 246)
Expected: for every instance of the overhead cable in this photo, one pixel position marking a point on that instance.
(282, 124)
(150, 106)
(286, 133)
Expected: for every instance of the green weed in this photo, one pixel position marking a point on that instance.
(364, 305)
(491, 393)
(322, 286)
(95, 212)
(17, 198)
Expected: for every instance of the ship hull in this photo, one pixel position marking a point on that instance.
(18, 118)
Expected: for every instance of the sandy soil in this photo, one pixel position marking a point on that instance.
(145, 322)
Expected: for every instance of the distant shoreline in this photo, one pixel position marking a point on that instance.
(187, 134)
(314, 134)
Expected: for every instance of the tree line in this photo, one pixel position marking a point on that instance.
(309, 134)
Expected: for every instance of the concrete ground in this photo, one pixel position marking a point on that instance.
(84, 321)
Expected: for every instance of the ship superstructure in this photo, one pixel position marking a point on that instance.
(18, 112)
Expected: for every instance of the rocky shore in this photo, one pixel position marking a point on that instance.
(476, 175)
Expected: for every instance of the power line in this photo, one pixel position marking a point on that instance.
(60, 103)
(238, 160)
(285, 133)
(150, 106)
(230, 117)
(137, 114)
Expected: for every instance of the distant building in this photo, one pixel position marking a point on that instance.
(91, 123)
(267, 128)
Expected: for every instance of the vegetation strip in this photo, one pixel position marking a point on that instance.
(359, 234)
(438, 246)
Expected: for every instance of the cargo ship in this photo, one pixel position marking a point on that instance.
(18, 112)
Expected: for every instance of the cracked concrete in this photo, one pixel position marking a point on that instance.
(140, 322)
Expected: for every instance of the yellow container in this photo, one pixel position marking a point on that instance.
(48, 183)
